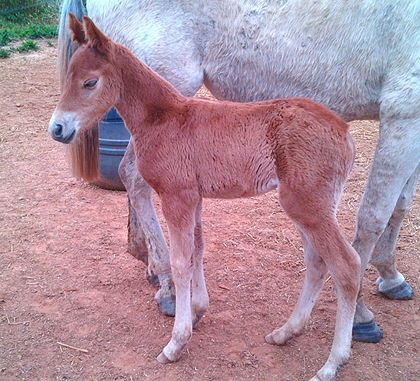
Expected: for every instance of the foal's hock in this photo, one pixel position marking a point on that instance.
(187, 149)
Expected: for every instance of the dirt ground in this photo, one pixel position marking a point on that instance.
(65, 275)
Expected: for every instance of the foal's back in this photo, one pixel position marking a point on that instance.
(231, 150)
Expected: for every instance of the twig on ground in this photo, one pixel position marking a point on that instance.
(16, 322)
(71, 347)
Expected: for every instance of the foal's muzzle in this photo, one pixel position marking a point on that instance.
(63, 126)
(59, 134)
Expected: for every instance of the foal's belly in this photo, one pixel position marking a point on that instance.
(239, 189)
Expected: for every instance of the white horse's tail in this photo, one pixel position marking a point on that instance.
(83, 154)
(66, 47)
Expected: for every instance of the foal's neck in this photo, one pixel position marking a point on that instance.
(145, 96)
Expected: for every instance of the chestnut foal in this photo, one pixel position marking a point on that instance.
(189, 148)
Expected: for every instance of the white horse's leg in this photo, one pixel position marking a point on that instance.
(200, 297)
(314, 280)
(396, 159)
(146, 239)
(391, 282)
(180, 213)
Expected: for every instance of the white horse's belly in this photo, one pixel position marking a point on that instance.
(362, 102)
(299, 50)
(339, 53)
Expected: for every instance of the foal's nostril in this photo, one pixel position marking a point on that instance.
(58, 130)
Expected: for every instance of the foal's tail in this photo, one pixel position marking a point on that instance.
(82, 154)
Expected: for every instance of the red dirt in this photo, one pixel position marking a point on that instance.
(65, 275)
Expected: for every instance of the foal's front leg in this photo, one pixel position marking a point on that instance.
(179, 212)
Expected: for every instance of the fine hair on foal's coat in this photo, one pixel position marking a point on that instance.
(188, 149)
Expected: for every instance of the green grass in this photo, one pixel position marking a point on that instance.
(23, 32)
(30, 31)
(42, 14)
(26, 25)
(4, 53)
(27, 46)
(4, 37)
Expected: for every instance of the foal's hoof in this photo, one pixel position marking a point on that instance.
(167, 305)
(274, 338)
(163, 359)
(269, 339)
(316, 378)
(401, 292)
(367, 332)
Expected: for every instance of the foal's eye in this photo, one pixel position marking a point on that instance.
(90, 84)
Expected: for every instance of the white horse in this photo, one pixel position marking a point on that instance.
(359, 58)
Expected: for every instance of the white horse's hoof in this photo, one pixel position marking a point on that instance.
(368, 332)
(167, 305)
(401, 292)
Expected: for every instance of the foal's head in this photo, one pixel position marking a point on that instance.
(92, 85)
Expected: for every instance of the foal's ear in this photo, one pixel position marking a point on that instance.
(76, 28)
(95, 36)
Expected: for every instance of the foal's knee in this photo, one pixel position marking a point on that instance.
(347, 278)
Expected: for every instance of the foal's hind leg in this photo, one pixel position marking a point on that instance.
(344, 266)
(148, 233)
(318, 223)
(314, 280)
(391, 282)
(200, 297)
